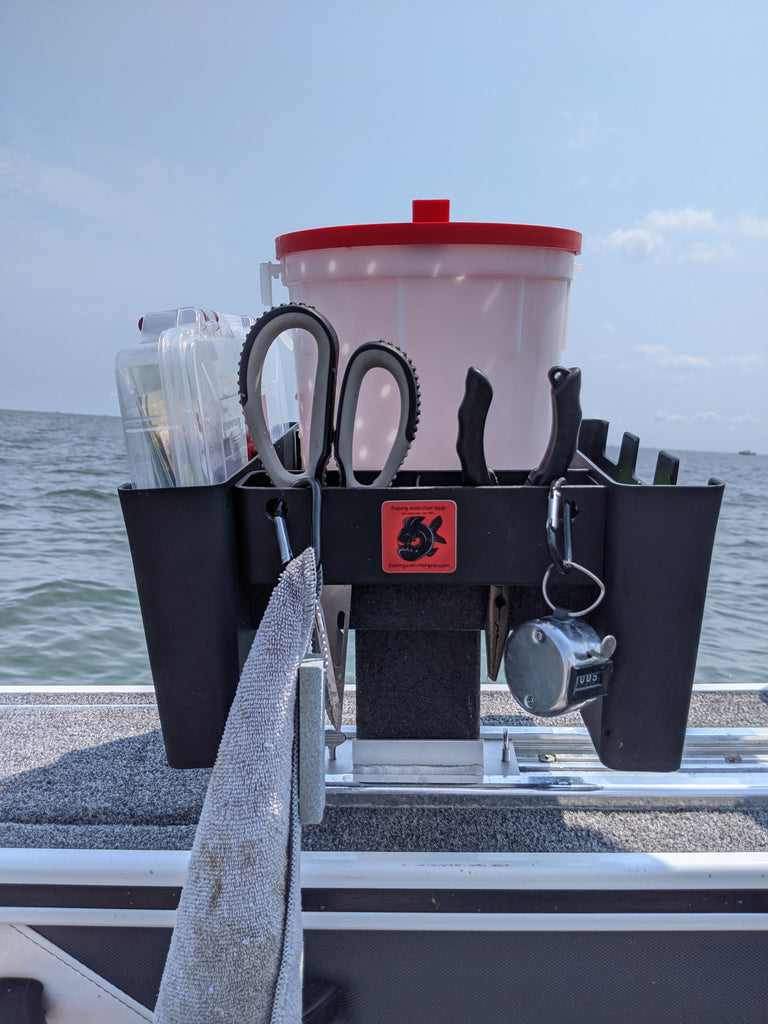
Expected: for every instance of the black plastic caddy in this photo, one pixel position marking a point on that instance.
(420, 557)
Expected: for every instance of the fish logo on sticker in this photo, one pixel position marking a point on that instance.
(418, 539)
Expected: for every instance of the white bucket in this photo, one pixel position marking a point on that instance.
(451, 295)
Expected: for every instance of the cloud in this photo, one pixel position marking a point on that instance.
(710, 416)
(633, 242)
(705, 253)
(753, 227)
(745, 420)
(652, 351)
(684, 234)
(687, 220)
(684, 362)
(660, 357)
(705, 418)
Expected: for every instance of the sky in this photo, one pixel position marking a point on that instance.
(150, 153)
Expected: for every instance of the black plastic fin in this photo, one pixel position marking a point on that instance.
(593, 437)
(667, 467)
(630, 445)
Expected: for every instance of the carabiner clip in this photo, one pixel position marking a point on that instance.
(277, 512)
(553, 505)
(561, 561)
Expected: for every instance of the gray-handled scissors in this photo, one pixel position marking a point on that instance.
(325, 435)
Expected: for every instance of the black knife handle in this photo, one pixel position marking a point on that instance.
(473, 411)
(566, 420)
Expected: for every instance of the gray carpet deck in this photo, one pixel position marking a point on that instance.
(89, 771)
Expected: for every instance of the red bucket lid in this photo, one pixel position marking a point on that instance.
(431, 225)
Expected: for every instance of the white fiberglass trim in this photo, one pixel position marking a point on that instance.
(42, 917)
(626, 871)
(348, 869)
(20, 866)
(535, 922)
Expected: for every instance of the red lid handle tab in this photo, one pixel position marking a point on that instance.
(431, 211)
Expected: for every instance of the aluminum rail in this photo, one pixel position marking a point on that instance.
(721, 768)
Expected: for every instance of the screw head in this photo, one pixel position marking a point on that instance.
(608, 646)
(529, 700)
(538, 636)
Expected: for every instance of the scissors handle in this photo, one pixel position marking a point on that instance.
(376, 354)
(264, 332)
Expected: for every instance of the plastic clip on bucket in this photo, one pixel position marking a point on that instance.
(451, 295)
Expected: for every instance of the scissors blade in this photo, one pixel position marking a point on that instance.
(336, 600)
(473, 411)
(497, 628)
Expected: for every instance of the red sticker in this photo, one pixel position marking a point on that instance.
(418, 536)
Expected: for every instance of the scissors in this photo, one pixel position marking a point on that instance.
(327, 434)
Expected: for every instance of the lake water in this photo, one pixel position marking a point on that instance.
(68, 607)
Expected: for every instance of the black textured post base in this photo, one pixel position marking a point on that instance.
(417, 684)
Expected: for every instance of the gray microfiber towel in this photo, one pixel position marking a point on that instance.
(236, 950)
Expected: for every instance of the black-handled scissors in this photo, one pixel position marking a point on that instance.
(325, 435)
